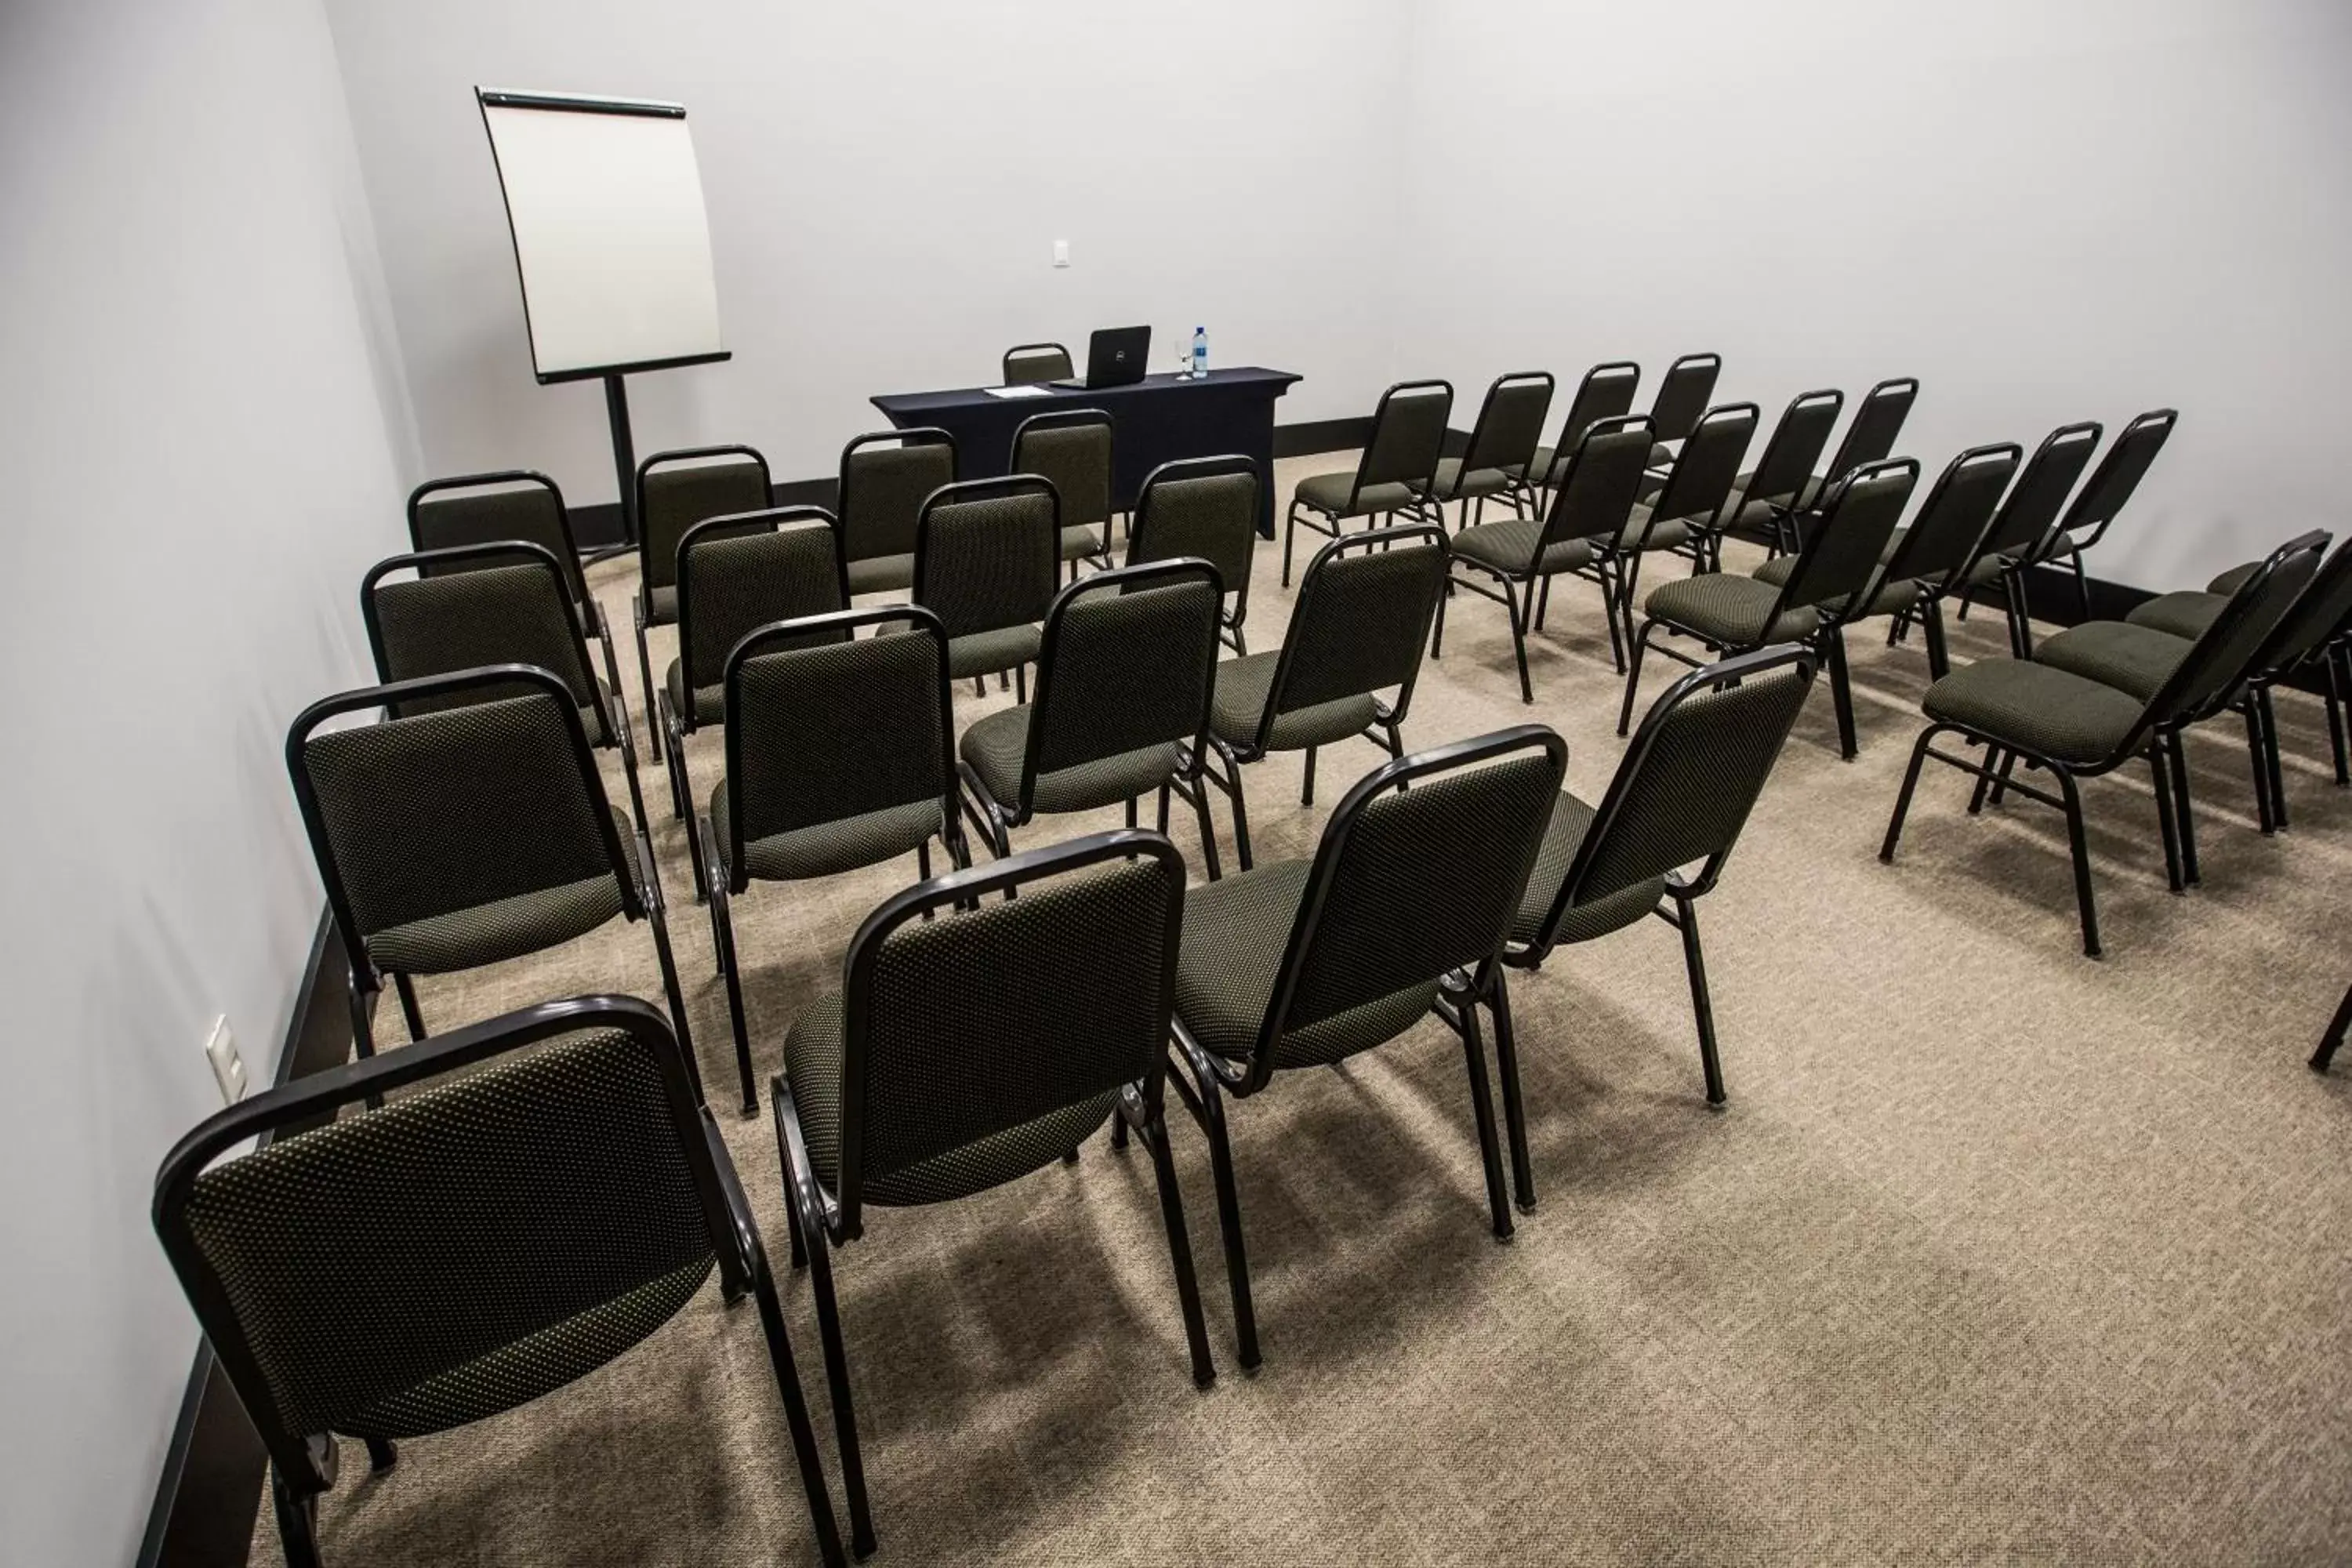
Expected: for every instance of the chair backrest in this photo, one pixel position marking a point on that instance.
(1419, 873)
(1206, 508)
(1876, 423)
(1069, 988)
(1031, 362)
(1361, 622)
(823, 726)
(1072, 447)
(2119, 472)
(988, 552)
(1683, 395)
(2027, 515)
(884, 475)
(1837, 567)
(486, 509)
(1408, 436)
(1605, 392)
(677, 489)
(1128, 660)
(474, 604)
(452, 809)
(1594, 489)
(550, 1200)
(730, 582)
(2323, 611)
(1959, 507)
(1792, 449)
(2236, 645)
(1704, 471)
(1684, 791)
(1510, 422)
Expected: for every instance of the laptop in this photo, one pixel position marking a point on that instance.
(1115, 357)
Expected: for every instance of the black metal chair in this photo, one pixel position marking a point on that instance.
(1763, 502)
(1836, 577)
(1605, 392)
(1125, 679)
(677, 489)
(2026, 517)
(840, 755)
(963, 1052)
(1362, 619)
(735, 575)
(2136, 658)
(2333, 1040)
(1930, 555)
(1593, 498)
(1685, 394)
(1029, 364)
(1681, 796)
(1685, 515)
(472, 605)
(988, 563)
(1877, 424)
(885, 476)
(553, 1199)
(490, 508)
(1075, 450)
(1206, 508)
(2076, 728)
(1502, 444)
(468, 831)
(1401, 915)
(2103, 495)
(1396, 474)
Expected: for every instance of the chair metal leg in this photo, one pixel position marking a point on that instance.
(2082, 585)
(382, 1455)
(358, 991)
(1200, 797)
(1702, 1004)
(657, 918)
(2272, 766)
(836, 1376)
(1939, 655)
(722, 925)
(1152, 1128)
(1306, 789)
(796, 1418)
(1164, 808)
(1520, 635)
(646, 679)
(1612, 612)
(2337, 662)
(1903, 798)
(410, 1011)
(1130, 811)
(1202, 1096)
(298, 1522)
(2183, 809)
(1289, 531)
(2159, 766)
(1841, 695)
(1543, 601)
(2000, 779)
(1514, 1119)
(2330, 1042)
(1634, 678)
(2079, 847)
(1482, 1109)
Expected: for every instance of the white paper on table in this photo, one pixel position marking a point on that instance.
(1016, 391)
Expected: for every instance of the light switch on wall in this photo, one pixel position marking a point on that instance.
(1061, 253)
(228, 1067)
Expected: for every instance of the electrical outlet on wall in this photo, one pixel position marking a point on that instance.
(1061, 253)
(228, 1067)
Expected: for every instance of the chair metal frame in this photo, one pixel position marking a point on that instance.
(1702, 370)
(1477, 457)
(1175, 471)
(1605, 392)
(1208, 1079)
(1928, 609)
(2028, 515)
(2105, 495)
(576, 581)
(1422, 488)
(1869, 436)
(822, 1221)
(1788, 469)
(642, 598)
(1076, 419)
(913, 436)
(638, 876)
(303, 1466)
(1069, 366)
(1704, 547)
(975, 489)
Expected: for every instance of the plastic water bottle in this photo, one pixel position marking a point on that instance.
(1200, 353)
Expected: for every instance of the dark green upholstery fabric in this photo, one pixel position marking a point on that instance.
(2235, 578)
(1671, 534)
(732, 586)
(1599, 485)
(1078, 460)
(676, 497)
(1790, 453)
(1889, 598)
(1328, 494)
(987, 653)
(1571, 820)
(882, 574)
(1454, 484)
(882, 490)
(1213, 518)
(709, 701)
(2051, 712)
(1047, 361)
(530, 512)
(1081, 542)
(495, 615)
(1234, 934)
(661, 606)
(995, 746)
(1606, 391)
(2134, 659)
(838, 757)
(1128, 670)
(1242, 686)
(989, 564)
(1510, 547)
(497, 931)
(1729, 610)
(1361, 623)
(433, 820)
(464, 1249)
(2184, 614)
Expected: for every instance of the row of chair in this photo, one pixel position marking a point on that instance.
(577, 1162)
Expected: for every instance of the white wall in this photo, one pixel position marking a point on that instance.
(884, 184)
(203, 432)
(2044, 211)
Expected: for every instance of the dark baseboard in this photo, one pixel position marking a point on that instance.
(1313, 436)
(215, 1469)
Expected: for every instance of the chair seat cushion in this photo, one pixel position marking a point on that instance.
(813, 1051)
(1891, 596)
(709, 701)
(882, 574)
(1080, 541)
(2185, 615)
(2054, 712)
(1672, 534)
(661, 606)
(1510, 547)
(1986, 569)
(1240, 701)
(1571, 819)
(1328, 493)
(826, 848)
(2134, 659)
(1729, 610)
(1234, 934)
(1661, 454)
(2235, 578)
(1453, 484)
(985, 653)
(499, 930)
(995, 747)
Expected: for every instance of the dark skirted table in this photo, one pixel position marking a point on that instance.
(1159, 418)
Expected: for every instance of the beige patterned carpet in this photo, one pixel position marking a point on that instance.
(1999, 1253)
